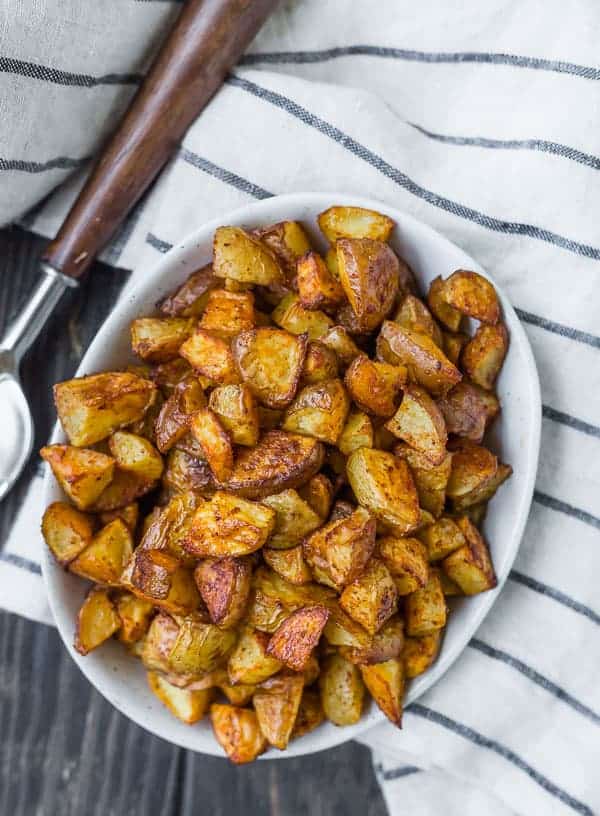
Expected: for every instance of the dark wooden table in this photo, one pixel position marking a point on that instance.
(64, 750)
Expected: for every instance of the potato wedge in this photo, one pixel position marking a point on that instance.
(338, 340)
(228, 525)
(470, 566)
(200, 647)
(427, 365)
(294, 519)
(105, 558)
(237, 411)
(473, 466)
(277, 708)
(210, 357)
(414, 314)
(357, 433)
(159, 641)
(82, 474)
(237, 731)
(383, 484)
(441, 538)
(136, 454)
(173, 421)
(188, 706)
(454, 343)
(342, 690)
(430, 480)
(331, 261)
(406, 560)
(214, 441)
(97, 620)
(270, 361)
(317, 287)
(290, 564)
(91, 408)
(288, 241)
(372, 598)
(320, 364)
(158, 577)
(185, 472)
(297, 636)
(291, 315)
(354, 222)
(425, 609)
(385, 644)
(166, 529)
(473, 295)
(250, 662)
(228, 313)
(135, 615)
(420, 652)
(385, 682)
(190, 298)
(130, 515)
(451, 317)
(310, 713)
(243, 258)
(124, 488)
(319, 411)
(375, 387)
(468, 409)
(157, 339)
(369, 272)
(224, 584)
(474, 503)
(484, 354)
(339, 551)
(420, 423)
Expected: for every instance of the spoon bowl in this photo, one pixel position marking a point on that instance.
(16, 428)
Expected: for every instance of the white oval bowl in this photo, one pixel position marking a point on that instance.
(516, 436)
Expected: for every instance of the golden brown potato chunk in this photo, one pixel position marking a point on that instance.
(190, 298)
(339, 551)
(425, 609)
(441, 538)
(342, 690)
(484, 354)
(157, 339)
(224, 584)
(420, 652)
(384, 645)
(228, 313)
(319, 411)
(200, 647)
(124, 488)
(237, 731)
(210, 357)
(338, 340)
(385, 681)
(228, 525)
(372, 598)
(383, 484)
(185, 472)
(270, 361)
(453, 345)
(290, 564)
(135, 615)
(357, 433)
(444, 312)
(472, 467)
(406, 560)
(175, 416)
(104, 559)
(82, 474)
(187, 706)
(297, 636)
(317, 287)
(413, 314)
(158, 643)
(375, 387)
(96, 622)
(136, 454)
(468, 409)
(320, 364)
(291, 315)
(240, 257)
(277, 707)
(473, 503)
(420, 423)
(430, 479)
(319, 494)
(91, 408)
(427, 365)
(250, 662)
(288, 241)
(294, 519)
(470, 566)
(130, 514)
(236, 409)
(354, 222)
(165, 529)
(310, 713)
(369, 276)
(214, 441)
(158, 577)
(473, 295)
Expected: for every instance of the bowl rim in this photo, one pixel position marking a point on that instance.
(142, 288)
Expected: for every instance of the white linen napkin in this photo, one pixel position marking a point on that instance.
(482, 120)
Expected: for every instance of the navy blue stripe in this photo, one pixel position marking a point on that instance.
(570, 421)
(568, 509)
(158, 243)
(8, 65)
(59, 163)
(537, 145)
(535, 677)
(400, 178)
(555, 595)
(558, 328)
(223, 175)
(20, 562)
(435, 57)
(501, 750)
(398, 773)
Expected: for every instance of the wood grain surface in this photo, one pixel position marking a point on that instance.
(64, 751)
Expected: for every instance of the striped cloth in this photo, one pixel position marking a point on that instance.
(482, 120)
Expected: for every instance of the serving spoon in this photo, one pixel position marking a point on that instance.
(207, 40)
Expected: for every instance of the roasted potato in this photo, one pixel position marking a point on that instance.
(338, 340)
(294, 519)
(135, 615)
(214, 441)
(451, 317)
(288, 242)
(82, 474)
(243, 258)
(237, 731)
(318, 492)
(190, 298)
(156, 576)
(91, 408)
(441, 538)
(385, 682)
(270, 361)
(293, 641)
(369, 274)
(354, 222)
(276, 704)
(468, 409)
(159, 641)
(136, 454)
(96, 622)
(470, 566)
(317, 287)
(473, 466)
(188, 706)
(454, 343)
(319, 411)
(372, 598)
(237, 411)
(310, 713)
(130, 515)
(339, 551)
(430, 480)
(124, 488)
(289, 563)
(238, 695)
(224, 584)
(228, 313)
(104, 559)
(173, 421)
(425, 609)
(157, 339)
(320, 364)
(357, 433)
(211, 357)
(474, 503)
(484, 354)
(473, 295)
(342, 690)
(375, 387)
(185, 472)
(384, 645)
(250, 662)
(414, 314)
(291, 315)
(420, 423)
(200, 647)
(420, 652)
(406, 560)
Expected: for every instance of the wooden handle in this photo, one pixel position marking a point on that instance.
(208, 39)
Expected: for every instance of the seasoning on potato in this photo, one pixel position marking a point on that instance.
(279, 506)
